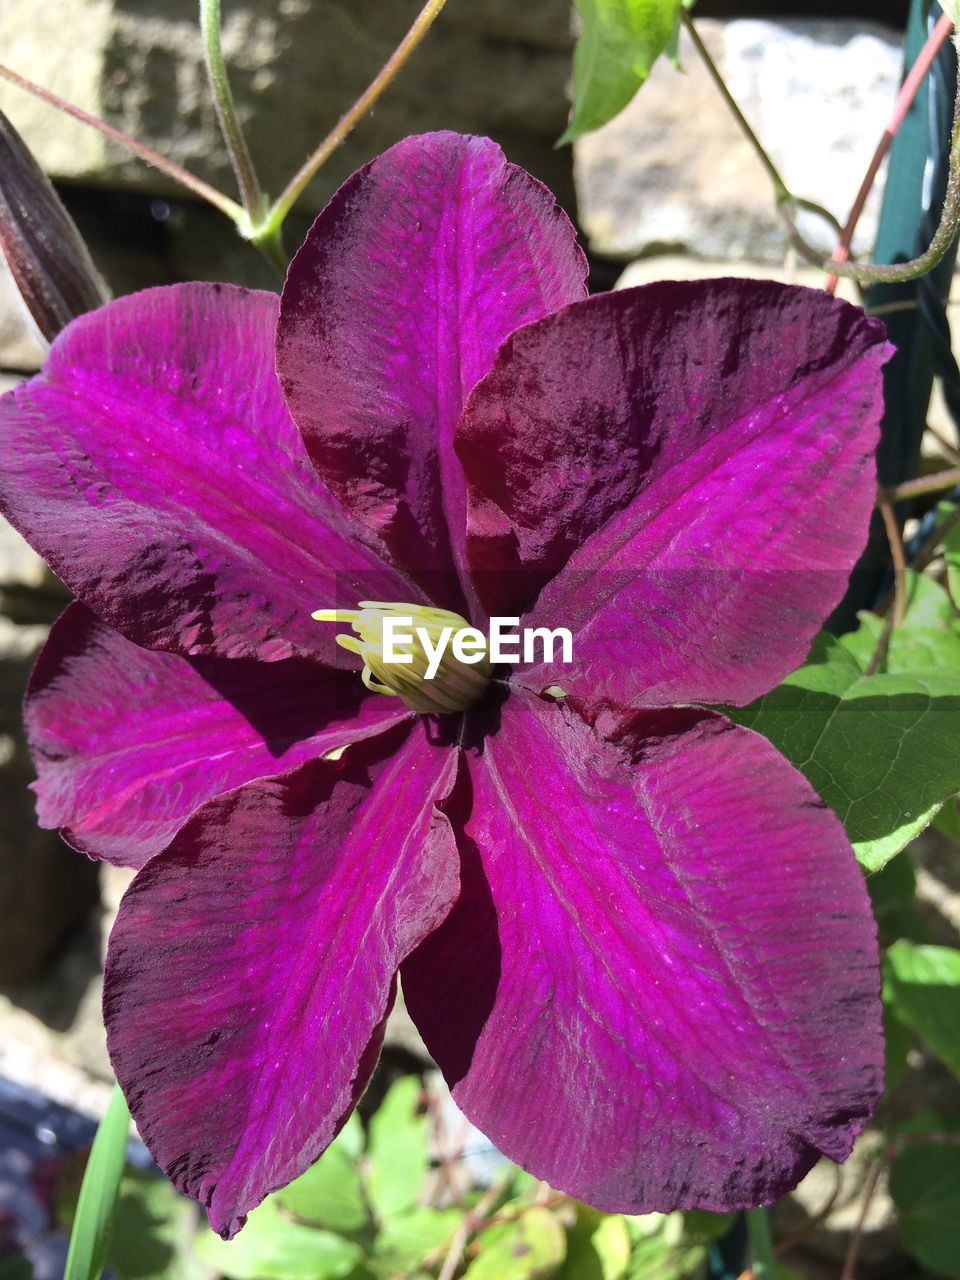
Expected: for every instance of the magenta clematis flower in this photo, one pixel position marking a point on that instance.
(634, 939)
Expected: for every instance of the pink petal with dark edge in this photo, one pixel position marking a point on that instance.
(659, 988)
(694, 464)
(154, 465)
(410, 279)
(129, 742)
(252, 964)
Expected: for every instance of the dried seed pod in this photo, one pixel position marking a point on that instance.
(47, 257)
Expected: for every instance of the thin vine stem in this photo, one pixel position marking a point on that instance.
(345, 125)
(943, 237)
(864, 272)
(935, 483)
(457, 1241)
(892, 1149)
(230, 126)
(946, 447)
(784, 198)
(785, 212)
(897, 608)
(904, 100)
(899, 556)
(173, 170)
(781, 190)
(853, 1252)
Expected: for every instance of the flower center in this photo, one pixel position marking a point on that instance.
(431, 659)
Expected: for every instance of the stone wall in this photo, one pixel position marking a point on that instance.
(498, 67)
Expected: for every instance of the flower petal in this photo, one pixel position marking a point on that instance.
(128, 742)
(411, 278)
(253, 961)
(693, 462)
(659, 987)
(154, 465)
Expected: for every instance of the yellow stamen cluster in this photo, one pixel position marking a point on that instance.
(455, 686)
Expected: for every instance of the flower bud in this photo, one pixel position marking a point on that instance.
(47, 258)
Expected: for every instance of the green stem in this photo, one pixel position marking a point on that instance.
(226, 109)
(783, 196)
(282, 206)
(780, 188)
(761, 1244)
(154, 158)
(785, 211)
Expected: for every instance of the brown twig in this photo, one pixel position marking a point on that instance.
(173, 170)
(890, 1151)
(948, 448)
(449, 1151)
(345, 125)
(897, 610)
(899, 557)
(467, 1225)
(798, 1236)
(933, 483)
(869, 1191)
(550, 1200)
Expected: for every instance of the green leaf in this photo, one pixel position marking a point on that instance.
(896, 1046)
(923, 985)
(273, 1247)
(661, 1250)
(925, 1185)
(397, 1153)
(330, 1193)
(948, 820)
(611, 1242)
(893, 896)
(620, 42)
(532, 1247)
(153, 1232)
(93, 1223)
(927, 639)
(405, 1239)
(598, 1247)
(882, 751)
(700, 1226)
(927, 1123)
